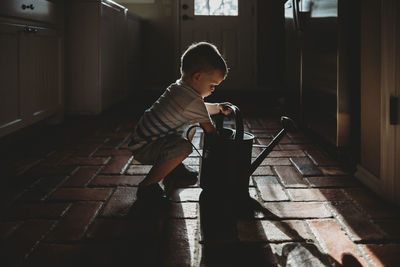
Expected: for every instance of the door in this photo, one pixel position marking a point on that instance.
(390, 95)
(320, 69)
(11, 110)
(231, 26)
(293, 57)
(380, 99)
(41, 70)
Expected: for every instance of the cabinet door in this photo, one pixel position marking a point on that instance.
(41, 71)
(112, 54)
(133, 56)
(11, 113)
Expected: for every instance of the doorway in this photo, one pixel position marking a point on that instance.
(231, 26)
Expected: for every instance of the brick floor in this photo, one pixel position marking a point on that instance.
(69, 198)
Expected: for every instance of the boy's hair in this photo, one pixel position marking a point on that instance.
(202, 57)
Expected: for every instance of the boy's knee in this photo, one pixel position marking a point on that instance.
(186, 147)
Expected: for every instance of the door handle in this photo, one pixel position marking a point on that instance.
(186, 17)
(394, 110)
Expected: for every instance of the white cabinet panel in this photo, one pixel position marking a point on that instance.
(31, 67)
(99, 55)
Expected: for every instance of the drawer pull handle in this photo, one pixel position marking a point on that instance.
(27, 6)
(30, 30)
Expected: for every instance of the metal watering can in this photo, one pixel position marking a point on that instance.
(226, 164)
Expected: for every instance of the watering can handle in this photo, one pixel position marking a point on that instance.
(238, 122)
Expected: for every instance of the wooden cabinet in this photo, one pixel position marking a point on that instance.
(31, 64)
(99, 55)
(48, 11)
(379, 166)
(11, 112)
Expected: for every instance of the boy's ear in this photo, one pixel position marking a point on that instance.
(196, 76)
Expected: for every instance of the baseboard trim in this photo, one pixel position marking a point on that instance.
(370, 180)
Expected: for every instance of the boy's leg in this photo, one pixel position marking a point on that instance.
(165, 154)
(149, 187)
(160, 170)
(181, 175)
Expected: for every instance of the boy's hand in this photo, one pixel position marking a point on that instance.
(225, 108)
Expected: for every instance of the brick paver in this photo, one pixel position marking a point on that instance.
(111, 152)
(42, 210)
(116, 180)
(182, 243)
(76, 194)
(293, 210)
(316, 194)
(74, 224)
(263, 170)
(117, 165)
(333, 181)
(306, 167)
(120, 202)
(290, 177)
(276, 162)
(320, 158)
(335, 242)
(270, 189)
(390, 228)
(356, 224)
(71, 201)
(85, 161)
(186, 194)
(138, 169)
(382, 255)
(287, 154)
(82, 176)
(370, 203)
(7, 228)
(108, 229)
(20, 243)
(184, 210)
(273, 231)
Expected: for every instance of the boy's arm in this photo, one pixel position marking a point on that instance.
(208, 127)
(215, 108)
(212, 108)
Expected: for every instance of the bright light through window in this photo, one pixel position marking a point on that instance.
(216, 7)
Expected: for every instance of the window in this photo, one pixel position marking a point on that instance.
(216, 7)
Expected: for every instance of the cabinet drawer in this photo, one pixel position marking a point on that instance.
(49, 11)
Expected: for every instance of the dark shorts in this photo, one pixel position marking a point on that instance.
(163, 149)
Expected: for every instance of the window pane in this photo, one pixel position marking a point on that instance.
(216, 7)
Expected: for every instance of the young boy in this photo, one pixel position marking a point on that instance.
(159, 137)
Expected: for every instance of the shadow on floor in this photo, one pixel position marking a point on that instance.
(222, 247)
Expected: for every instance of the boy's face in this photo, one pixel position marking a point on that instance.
(204, 82)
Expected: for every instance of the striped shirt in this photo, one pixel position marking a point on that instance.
(174, 111)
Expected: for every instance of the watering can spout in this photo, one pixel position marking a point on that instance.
(288, 126)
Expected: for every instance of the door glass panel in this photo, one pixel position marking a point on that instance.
(216, 7)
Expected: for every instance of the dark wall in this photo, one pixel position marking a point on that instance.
(270, 43)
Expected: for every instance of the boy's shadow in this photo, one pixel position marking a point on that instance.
(141, 240)
(222, 246)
